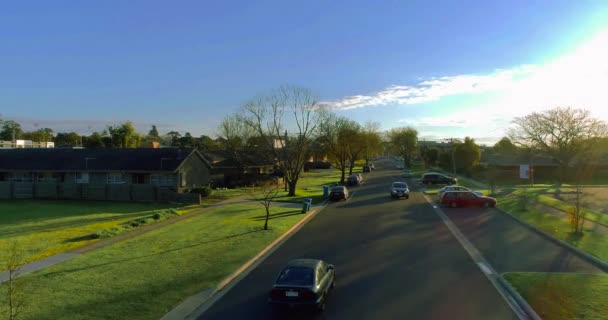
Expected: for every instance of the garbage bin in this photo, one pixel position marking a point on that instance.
(325, 192)
(308, 203)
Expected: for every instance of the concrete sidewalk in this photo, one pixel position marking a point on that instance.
(60, 257)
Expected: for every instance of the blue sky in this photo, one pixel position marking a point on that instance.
(186, 64)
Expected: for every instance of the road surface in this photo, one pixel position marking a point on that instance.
(395, 259)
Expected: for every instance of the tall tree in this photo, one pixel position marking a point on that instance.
(153, 132)
(172, 138)
(95, 140)
(505, 146)
(40, 135)
(356, 146)
(287, 120)
(124, 135)
(467, 155)
(335, 136)
(559, 132)
(403, 141)
(10, 130)
(71, 139)
(373, 140)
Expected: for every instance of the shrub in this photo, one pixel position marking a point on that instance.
(203, 191)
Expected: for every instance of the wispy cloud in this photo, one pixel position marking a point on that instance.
(435, 88)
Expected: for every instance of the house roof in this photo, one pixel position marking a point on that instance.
(59, 159)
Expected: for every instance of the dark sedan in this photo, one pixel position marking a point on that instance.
(303, 282)
(338, 193)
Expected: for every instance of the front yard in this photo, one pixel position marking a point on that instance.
(563, 296)
(146, 276)
(43, 228)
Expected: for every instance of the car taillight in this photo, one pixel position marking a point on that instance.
(309, 295)
(276, 293)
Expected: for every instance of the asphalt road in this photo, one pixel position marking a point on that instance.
(394, 259)
(509, 246)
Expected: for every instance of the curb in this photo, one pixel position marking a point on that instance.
(586, 256)
(208, 299)
(518, 298)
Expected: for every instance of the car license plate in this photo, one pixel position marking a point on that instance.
(291, 293)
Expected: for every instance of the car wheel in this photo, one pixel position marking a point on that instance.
(453, 204)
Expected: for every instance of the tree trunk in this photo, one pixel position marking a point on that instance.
(350, 168)
(267, 216)
(343, 175)
(292, 188)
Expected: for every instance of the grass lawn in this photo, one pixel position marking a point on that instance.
(43, 228)
(558, 227)
(146, 276)
(311, 185)
(563, 296)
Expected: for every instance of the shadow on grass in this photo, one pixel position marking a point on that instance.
(157, 254)
(277, 215)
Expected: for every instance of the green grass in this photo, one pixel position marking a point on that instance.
(562, 296)
(558, 227)
(44, 228)
(565, 207)
(146, 276)
(310, 185)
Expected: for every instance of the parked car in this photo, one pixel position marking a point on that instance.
(303, 282)
(338, 193)
(399, 190)
(407, 173)
(352, 180)
(367, 168)
(372, 166)
(438, 178)
(466, 199)
(360, 177)
(451, 188)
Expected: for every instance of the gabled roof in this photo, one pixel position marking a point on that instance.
(65, 160)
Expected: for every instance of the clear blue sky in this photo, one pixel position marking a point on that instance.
(186, 64)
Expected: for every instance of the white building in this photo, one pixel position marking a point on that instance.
(25, 144)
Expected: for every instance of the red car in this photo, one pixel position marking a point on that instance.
(466, 199)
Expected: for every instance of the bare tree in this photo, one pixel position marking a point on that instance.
(15, 300)
(335, 134)
(265, 194)
(559, 132)
(286, 121)
(356, 146)
(404, 142)
(373, 140)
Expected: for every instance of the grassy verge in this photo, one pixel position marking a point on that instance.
(562, 296)
(43, 228)
(311, 185)
(144, 277)
(558, 227)
(565, 207)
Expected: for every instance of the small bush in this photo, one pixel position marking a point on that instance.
(159, 215)
(203, 191)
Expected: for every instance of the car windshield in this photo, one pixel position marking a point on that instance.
(399, 185)
(297, 276)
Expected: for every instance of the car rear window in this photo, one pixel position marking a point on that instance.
(399, 185)
(296, 276)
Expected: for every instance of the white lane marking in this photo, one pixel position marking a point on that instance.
(481, 262)
(484, 268)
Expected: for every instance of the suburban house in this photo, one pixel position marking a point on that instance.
(101, 174)
(230, 170)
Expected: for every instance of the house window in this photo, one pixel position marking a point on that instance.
(138, 178)
(47, 177)
(81, 177)
(22, 177)
(162, 180)
(115, 178)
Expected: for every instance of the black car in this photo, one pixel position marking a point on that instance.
(438, 178)
(367, 168)
(353, 180)
(338, 193)
(303, 282)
